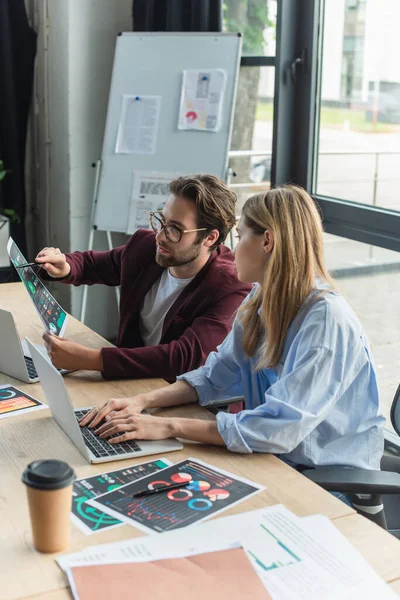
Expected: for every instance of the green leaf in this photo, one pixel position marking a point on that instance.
(3, 172)
(11, 214)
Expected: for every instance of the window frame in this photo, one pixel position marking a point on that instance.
(300, 26)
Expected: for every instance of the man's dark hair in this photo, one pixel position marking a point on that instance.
(215, 202)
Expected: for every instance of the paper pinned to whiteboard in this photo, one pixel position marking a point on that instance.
(202, 99)
(150, 191)
(138, 125)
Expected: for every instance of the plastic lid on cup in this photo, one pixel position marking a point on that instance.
(48, 475)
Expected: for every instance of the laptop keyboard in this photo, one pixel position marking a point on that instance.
(31, 368)
(33, 374)
(102, 448)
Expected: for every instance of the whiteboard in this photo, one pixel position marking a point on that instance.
(152, 64)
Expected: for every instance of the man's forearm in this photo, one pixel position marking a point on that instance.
(173, 395)
(197, 430)
(93, 360)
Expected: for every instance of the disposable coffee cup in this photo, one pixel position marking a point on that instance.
(49, 489)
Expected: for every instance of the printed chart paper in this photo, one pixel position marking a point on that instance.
(206, 491)
(14, 402)
(138, 125)
(90, 520)
(202, 99)
(150, 191)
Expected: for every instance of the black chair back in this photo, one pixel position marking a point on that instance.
(395, 412)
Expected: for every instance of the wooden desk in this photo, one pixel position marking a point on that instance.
(26, 573)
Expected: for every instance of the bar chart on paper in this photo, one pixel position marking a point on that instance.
(282, 555)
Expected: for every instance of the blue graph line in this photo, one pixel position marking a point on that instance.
(281, 545)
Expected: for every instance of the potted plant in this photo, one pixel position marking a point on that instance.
(7, 214)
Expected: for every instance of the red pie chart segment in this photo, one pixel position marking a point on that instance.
(217, 494)
(181, 478)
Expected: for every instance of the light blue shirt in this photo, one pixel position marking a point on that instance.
(320, 406)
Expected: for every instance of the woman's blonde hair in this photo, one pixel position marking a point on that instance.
(297, 258)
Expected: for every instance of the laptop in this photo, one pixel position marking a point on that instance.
(93, 448)
(15, 357)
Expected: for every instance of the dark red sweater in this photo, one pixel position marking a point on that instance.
(195, 325)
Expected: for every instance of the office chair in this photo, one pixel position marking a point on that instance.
(216, 406)
(374, 494)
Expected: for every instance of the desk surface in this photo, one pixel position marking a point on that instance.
(36, 435)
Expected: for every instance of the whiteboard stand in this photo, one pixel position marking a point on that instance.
(152, 64)
(93, 229)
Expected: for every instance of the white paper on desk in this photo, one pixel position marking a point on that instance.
(316, 571)
(327, 535)
(205, 537)
(290, 558)
(138, 125)
(202, 98)
(150, 190)
(174, 544)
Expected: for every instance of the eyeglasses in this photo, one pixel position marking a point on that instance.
(173, 233)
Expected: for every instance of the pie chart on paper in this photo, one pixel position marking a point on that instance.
(181, 478)
(217, 494)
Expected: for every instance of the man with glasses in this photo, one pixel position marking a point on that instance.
(179, 289)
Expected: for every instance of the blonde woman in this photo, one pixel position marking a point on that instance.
(297, 353)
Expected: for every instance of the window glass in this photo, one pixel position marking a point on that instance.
(359, 134)
(256, 20)
(369, 278)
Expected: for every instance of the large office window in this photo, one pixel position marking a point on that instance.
(251, 147)
(335, 130)
(356, 170)
(359, 117)
(369, 278)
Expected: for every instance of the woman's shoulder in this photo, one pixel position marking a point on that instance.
(331, 303)
(327, 316)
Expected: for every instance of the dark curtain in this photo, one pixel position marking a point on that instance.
(17, 55)
(177, 15)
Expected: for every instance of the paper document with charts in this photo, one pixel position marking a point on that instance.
(206, 491)
(53, 317)
(15, 402)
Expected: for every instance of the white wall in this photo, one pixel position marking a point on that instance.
(73, 72)
(94, 26)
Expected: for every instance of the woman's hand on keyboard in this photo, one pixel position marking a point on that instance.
(135, 426)
(115, 408)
